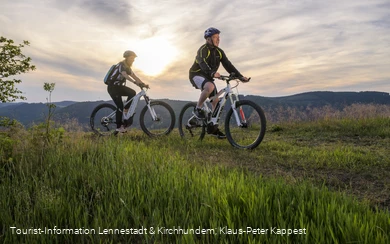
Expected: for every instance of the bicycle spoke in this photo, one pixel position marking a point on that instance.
(249, 130)
(190, 128)
(159, 120)
(102, 119)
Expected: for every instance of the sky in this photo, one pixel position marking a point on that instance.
(285, 46)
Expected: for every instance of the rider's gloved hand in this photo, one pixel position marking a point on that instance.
(143, 85)
(244, 79)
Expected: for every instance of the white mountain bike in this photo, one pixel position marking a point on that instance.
(159, 120)
(245, 122)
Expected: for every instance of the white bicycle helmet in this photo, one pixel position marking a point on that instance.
(129, 53)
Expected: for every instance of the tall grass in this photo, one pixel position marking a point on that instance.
(124, 182)
(355, 111)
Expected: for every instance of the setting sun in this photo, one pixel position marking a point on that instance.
(154, 55)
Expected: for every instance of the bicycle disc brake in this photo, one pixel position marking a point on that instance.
(244, 125)
(105, 121)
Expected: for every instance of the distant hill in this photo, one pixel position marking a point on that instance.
(2, 105)
(319, 99)
(29, 113)
(26, 113)
(64, 103)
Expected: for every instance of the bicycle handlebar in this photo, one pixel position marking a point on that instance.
(232, 76)
(144, 86)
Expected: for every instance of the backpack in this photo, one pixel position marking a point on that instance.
(108, 79)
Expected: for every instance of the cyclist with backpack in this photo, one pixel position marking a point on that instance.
(203, 72)
(116, 87)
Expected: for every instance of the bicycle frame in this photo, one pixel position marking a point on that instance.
(227, 93)
(244, 122)
(134, 105)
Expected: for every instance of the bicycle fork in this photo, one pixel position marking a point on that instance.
(151, 109)
(239, 116)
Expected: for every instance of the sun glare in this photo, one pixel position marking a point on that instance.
(154, 55)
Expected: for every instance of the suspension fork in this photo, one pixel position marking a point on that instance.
(238, 115)
(242, 115)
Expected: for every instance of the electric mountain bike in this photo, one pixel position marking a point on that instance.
(244, 124)
(156, 118)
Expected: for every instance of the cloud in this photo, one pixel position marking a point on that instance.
(285, 46)
(116, 12)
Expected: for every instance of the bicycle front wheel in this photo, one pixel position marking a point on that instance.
(245, 125)
(159, 120)
(103, 120)
(190, 128)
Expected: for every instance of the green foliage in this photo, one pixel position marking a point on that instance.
(49, 87)
(132, 181)
(6, 145)
(42, 137)
(7, 142)
(14, 137)
(12, 62)
(7, 122)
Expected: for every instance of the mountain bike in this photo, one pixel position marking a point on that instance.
(245, 122)
(156, 118)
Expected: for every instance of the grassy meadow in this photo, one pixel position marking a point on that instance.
(324, 180)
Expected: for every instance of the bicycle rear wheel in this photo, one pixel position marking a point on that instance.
(190, 128)
(250, 129)
(103, 120)
(162, 124)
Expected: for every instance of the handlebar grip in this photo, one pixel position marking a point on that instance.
(245, 81)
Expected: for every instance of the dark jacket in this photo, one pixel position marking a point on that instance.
(207, 61)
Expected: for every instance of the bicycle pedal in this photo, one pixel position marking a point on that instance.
(128, 122)
(189, 127)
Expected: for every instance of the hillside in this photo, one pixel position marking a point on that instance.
(319, 99)
(28, 113)
(327, 180)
